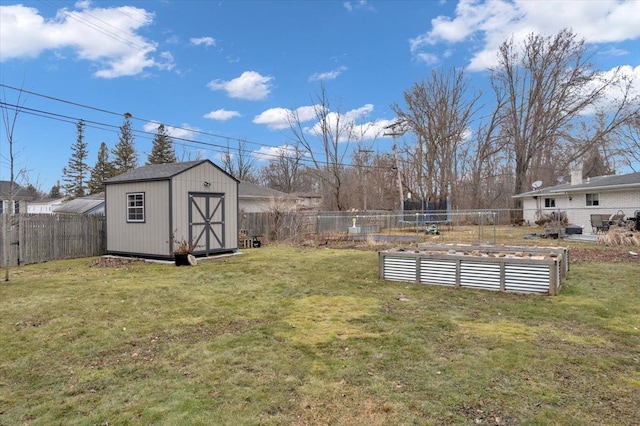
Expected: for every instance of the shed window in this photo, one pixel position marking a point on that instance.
(549, 202)
(593, 200)
(135, 207)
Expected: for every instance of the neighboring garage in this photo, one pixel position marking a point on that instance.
(150, 207)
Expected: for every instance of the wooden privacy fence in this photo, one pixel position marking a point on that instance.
(39, 238)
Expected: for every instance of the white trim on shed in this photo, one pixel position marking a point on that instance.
(195, 201)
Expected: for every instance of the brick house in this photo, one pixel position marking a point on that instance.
(604, 195)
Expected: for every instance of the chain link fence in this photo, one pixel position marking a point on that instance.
(473, 226)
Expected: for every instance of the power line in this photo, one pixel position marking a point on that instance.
(217, 148)
(63, 118)
(143, 120)
(97, 124)
(94, 26)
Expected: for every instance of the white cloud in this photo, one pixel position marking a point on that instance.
(427, 58)
(207, 41)
(346, 124)
(350, 121)
(371, 130)
(614, 93)
(222, 115)
(613, 51)
(274, 118)
(330, 75)
(267, 153)
(222, 156)
(172, 39)
(358, 5)
(494, 21)
(278, 118)
(107, 37)
(183, 132)
(250, 86)
(357, 113)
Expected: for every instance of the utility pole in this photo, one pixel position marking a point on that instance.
(398, 176)
(393, 133)
(365, 153)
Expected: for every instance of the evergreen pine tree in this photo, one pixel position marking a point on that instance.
(76, 173)
(55, 192)
(102, 171)
(34, 192)
(125, 155)
(162, 150)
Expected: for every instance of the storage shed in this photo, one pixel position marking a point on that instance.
(151, 207)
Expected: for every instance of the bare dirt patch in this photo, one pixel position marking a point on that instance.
(112, 262)
(604, 254)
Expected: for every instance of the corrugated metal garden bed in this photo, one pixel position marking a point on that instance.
(511, 269)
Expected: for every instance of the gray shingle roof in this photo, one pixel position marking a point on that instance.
(83, 205)
(631, 180)
(155, 172)
(251, 190)
(18, 191)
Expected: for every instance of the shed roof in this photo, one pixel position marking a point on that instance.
(599, 183)
(82, 205)
(159, 172)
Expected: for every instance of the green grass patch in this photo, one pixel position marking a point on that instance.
(283, 335)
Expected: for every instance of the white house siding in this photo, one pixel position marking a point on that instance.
(40, 209)
(43, 208)
(578, 213)
(193, 180)
(149, 237)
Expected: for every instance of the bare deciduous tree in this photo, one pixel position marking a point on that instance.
(438, 111)
(285, 172)
(10, 115)
(327, 145)
(629, 148)
(239, 164)
(362, 161)
(549, 85)
(482, 162)
(382, 191)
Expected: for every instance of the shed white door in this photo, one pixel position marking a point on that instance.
(206, 221)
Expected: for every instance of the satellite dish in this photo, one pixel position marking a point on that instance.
(560, 179)
(537, 184)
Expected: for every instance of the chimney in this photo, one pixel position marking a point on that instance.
(576, 177)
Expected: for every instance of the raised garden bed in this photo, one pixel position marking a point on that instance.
(510, 269)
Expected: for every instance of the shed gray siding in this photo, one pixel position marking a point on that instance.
(149, 237)
(166, 201)
(192, 181)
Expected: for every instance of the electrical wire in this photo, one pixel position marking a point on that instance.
(224, 148)
(79, 17)
(127, 40)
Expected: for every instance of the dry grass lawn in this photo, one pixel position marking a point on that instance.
(307, 336)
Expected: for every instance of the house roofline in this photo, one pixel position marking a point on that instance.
(582, 189)
(597, 188)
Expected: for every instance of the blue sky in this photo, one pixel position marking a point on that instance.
(218, 71)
